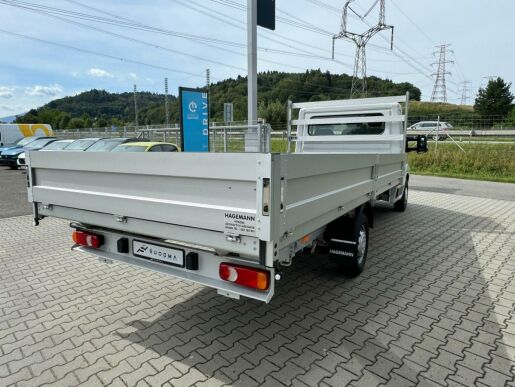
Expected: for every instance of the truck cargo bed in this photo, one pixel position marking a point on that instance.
(256, 198)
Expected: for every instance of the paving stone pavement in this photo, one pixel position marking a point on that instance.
(435, 306)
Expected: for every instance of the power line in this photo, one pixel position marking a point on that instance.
(216, 47)
(121, 23)
(229, 20)
(83, 50)
(134, 40)
(307, 24)
(270, 50)
(413, 23)
(127, 23)
(324, 5)
(404, 53)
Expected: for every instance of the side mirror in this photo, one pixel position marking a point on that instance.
(421, 141)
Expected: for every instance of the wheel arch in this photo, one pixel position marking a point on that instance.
(367, 210)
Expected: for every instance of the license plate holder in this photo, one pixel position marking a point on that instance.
(158, 253)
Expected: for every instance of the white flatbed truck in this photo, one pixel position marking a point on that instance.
(231, 220)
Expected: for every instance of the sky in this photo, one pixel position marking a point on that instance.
(112, 45)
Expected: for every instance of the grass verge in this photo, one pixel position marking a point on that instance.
(492, 162)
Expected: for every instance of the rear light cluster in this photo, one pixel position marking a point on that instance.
(245, 276)
(87, 239)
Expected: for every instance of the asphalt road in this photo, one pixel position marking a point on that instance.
(475, 188)
(13, 193)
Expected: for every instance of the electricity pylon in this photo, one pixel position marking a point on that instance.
(359, 79)
(440, 87)
(464, 92)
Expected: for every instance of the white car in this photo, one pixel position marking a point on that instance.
(432, 126)
(54, 146)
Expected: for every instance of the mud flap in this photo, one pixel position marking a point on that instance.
(340, 249)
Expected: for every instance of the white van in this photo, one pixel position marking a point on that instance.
(11, 133)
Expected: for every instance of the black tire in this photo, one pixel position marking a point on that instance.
(401, 204)
(358, 232)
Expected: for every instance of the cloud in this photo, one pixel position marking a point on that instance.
(7, 108)
(12, 108)
(74, 74)
(42, 91)
(99, 73)
(134, 76)
(6, 92)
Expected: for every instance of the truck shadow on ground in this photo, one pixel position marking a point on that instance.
(418, 311)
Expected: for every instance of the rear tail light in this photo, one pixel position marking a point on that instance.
(245, 276)
(87, 239)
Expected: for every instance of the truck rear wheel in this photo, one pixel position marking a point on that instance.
(350, 253)
(401, 204)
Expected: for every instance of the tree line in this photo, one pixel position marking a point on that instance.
(99, 108)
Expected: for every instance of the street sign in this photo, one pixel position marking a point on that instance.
(194, 120)
(266, 14)
(228, 113)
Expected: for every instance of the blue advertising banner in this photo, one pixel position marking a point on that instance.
(194, 119)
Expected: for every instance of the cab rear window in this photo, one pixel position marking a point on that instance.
(360, 128)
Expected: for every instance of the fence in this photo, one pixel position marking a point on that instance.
(467, 121)
(232, 138)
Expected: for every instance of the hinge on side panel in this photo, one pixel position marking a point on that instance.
(375, 176)
(121, 219)
(266, 196)
(233, 238)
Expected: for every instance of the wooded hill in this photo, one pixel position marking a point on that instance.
(99, 108)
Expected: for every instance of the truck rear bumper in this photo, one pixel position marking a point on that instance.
(207, 273)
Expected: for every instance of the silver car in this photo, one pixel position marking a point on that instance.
(432, 127)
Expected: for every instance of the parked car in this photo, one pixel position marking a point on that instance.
(147, 147)
(21, 143)
(432, 126)
(57, 145)
(108, 144)
(10, 157)
(81, 145)
(53, 146)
